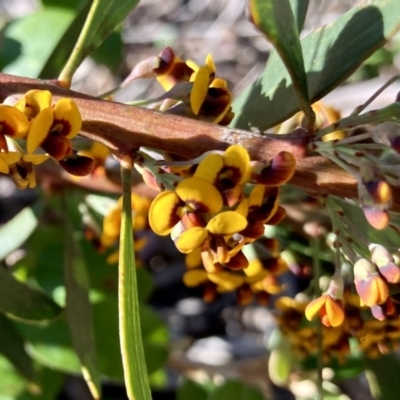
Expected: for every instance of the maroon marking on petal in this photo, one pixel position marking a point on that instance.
(61, 127)
(6, 129)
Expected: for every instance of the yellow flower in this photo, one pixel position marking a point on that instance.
(171, 70)
(20, 167)
(191, 195)
(330, 310)
(371, 288)
(52, 128)
(13, 123)
(209, 97)
(112, 221)
(228, 172)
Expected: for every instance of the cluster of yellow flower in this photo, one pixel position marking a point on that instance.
(39, 123)
(373, 337)
(112, 225)
(191, 90)
(218, 206)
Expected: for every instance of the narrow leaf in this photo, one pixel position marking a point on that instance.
(134, 364)
(385, 383)
(331, 54)
(104, 16)
(11, 234)
(12, 347)
(33, 38)
(78, 308)
(275, 19)
(59, 56)
(19, 301)
(299, 8)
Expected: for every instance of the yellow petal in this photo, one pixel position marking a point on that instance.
(35, 159)
(314, 306)
(195, 277)
(39, 99)
(210, 64)
(67, 113)
(4, 167)
(13, 122)
(191, 64)
(11, 157)
(199, 195)
(193, 259)
(209, 168)
(226, 281)
(162, 213)
(237, 156)
(219, 84)
(199, 89)
(256, 196)
(243, 207)
(334, 312)
(227, 223)
(39, 130)
(191, 239)
(255, 268)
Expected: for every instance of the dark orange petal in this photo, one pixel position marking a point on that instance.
(237, 262)
(377, 217)
(278, 217)
(279, 171)
(78, 165)
(57, 146)
(191, 219)
(334, 311)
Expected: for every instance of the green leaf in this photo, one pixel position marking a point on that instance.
(385, 383)
(11, 234)
(104, 16)
(51, 345)
(331, 54)
(19, 301)
(11, 383)
(133, 361)
(281, 360)
(78, 307)
(189, 389)
(275, 19)
(12, 347)
(62, 50)
(235, 390)
(50, 383)
(74, 4)
(38, 34)
(299, 8)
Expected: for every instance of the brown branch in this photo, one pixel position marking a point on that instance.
(125, 128)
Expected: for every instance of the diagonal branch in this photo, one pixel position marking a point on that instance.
(125, 128)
